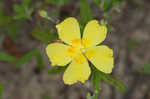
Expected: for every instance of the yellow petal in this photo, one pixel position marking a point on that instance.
(93, 34)
(58, 54)
(69, 31)
(101, 57)
(78, 70)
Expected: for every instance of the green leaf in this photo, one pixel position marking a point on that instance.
(57, 70)
(113, 81)
(57, 2)
(19, 12)
(109, 27)
(132, 44)
(103, 22)
(95, 79)
(4, 19)
(107, 5)
(17, 8)
(1, 90)
(89, 96)
(108, 79)
(44, 36)
(97, 2)
(6, 57)
(95, 95)
(85, 12)
(45, 96)
(116, 2)
(13, 29)
(29, 55)
(39, 60)
(145, 69)
(26, 3)
(23, 11)
(109, 16)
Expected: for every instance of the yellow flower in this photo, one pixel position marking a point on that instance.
(76, 51)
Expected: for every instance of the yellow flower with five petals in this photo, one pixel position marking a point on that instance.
(77, 51)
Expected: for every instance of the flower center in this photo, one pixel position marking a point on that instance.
(83, 50)
(72, 51)
(76, 49)
(76, 42)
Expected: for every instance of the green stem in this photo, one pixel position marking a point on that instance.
(49, 18)
(96, 94)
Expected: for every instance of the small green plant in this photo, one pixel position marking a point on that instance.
(145, 68)
(1, 90)
(23, 10)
